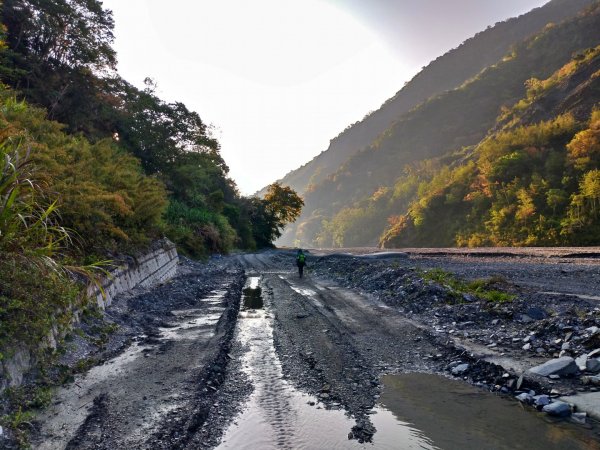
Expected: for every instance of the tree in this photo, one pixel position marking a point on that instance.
(59, 33)
(269, 216)
(590, 189)
(283, 203)
(160, 133)
(56, 51)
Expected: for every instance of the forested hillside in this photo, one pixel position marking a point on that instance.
(449, 71)
(533, 182)
(379, 183)
(92, 167)
(59, 57)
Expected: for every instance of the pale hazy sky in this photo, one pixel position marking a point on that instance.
(279, 78)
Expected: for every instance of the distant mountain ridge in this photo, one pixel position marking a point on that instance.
(446, 72)
(447, 121)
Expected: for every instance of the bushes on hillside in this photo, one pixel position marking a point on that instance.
(101, 192)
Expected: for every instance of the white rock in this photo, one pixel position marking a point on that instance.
(582, 362)
(594, 353)
(460, 369)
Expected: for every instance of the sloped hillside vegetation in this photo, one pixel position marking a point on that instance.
(446, 72)
(93, 168)
(353, 206)
(534, 182)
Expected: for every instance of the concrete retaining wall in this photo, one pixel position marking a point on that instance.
(159, 264)
(156, 266)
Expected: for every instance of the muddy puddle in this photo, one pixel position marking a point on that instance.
(449, 414)
(416, 411)
(252, 294)
(195, 323)
(278, 416)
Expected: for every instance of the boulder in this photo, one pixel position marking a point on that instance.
(460, 369)
(536, 313)
(541, 400)
(525, 398)
(595, 380)
(558, 409)
(559, 366)
(581, 362)
(592, 365)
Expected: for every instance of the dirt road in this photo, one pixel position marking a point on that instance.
(298, 363)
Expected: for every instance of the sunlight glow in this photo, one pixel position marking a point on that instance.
(277, 78)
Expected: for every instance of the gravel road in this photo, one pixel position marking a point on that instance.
(200, 364)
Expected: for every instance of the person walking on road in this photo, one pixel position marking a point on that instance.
(300, 261)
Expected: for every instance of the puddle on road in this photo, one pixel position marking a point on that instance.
(453, 415)
(196, 322)
(253, 294)
(279, 416)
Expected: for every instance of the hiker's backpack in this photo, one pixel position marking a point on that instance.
(301, 257)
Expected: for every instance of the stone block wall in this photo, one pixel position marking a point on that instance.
(157, 265)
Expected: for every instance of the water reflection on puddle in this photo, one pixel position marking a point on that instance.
(252, 294)
(279, 416)
(453, 415)
(193, 323)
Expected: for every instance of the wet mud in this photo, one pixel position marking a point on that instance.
(240, 353)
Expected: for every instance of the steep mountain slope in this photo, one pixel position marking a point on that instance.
(446, 72)
(534, 181)
(445, 123)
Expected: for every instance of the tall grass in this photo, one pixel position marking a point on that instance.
(29, 226)
(37, 289)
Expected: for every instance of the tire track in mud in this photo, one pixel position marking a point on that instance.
(264, 369)
(323, 359)
(179, 428)
(156, 394)
(277, 415)
(334, 344)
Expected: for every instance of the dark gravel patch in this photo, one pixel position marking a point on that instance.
(559, 324)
